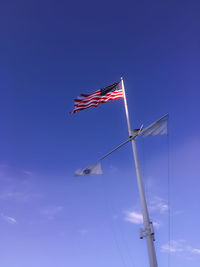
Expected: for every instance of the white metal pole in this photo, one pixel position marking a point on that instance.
(148, 229)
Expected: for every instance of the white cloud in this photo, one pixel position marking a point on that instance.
(194, 250)
(17, 185)
(173, 246)
(8, 219)
(52, 211)
(156, 224)
(133, 217)
(158, 204)
(14, 195)
(179, 246)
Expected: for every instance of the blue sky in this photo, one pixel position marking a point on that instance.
(51, 51)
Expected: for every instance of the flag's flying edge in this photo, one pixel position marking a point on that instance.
(110, 92)
(93, 169)
(159, 127)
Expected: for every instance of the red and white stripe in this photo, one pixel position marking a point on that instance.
(93, 100)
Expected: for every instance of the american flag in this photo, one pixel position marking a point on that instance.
(111, 92)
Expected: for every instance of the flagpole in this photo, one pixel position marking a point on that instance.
(148, 227)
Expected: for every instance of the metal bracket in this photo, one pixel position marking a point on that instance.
(142, 235)
(150, 231)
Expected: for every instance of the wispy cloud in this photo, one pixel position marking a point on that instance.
(157, 204)
(193, 250)
(51, 211)
(16, 185)
(135, 217)
(8, 219)
(11, 194)
(174, 246)
(179, 246)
